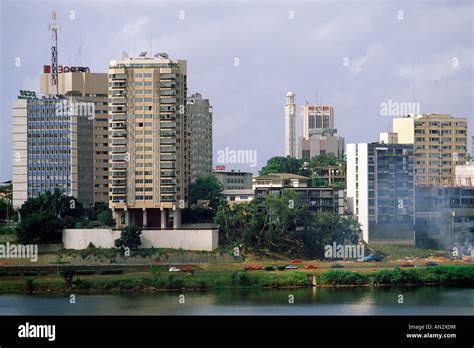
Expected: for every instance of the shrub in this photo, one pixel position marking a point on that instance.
(129, 238)
(105, 218)
(31, 273)
(336, 277)
(112, 271)
(174, 282)
(85, 272)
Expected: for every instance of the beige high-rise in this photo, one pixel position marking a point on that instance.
(440, 143)
(149, 141)
(91, 88)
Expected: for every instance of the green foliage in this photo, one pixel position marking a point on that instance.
(284, 165)
(39, 227)
(87, 224)
(105, 218)
(7, 230)
(44, 217)
(112, 271)
(129, 238)
(196, 215)
(205, 188)
(275, 226)
(29, 285)
(336, 277)
(82, 272)
(175, 282)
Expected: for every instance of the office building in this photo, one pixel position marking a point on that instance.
(290, 125)
(380, 191)
(234, 180)
(440, 143)
(445, 217)
(465, 175)
(149, 141)
(318, 199)
(318, 135)
(200, 124)
(60, 139)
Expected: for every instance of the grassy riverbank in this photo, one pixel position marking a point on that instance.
(158, 280)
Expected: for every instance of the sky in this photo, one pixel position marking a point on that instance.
(246, 55)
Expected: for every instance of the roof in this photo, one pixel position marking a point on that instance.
(284, 176)
(238, 192)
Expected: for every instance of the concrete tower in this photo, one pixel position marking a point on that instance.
(290, 130)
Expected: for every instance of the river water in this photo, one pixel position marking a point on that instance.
(314, 301)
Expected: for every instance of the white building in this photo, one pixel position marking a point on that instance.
(290, 128)
(465, 175)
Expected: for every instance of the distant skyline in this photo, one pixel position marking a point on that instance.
(354, 55)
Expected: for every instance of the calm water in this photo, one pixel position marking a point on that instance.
(339, 301)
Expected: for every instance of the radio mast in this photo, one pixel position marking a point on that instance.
(53, 27)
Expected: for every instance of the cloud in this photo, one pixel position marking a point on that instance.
(356, 65)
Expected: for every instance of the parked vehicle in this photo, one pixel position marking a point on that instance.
(407, 265)
(253, 268)
(371, 258)
(296, 261)
(337, 265)
(291, 267)
(431, 264)
(174, 269)
(309, 266)
(187, 269)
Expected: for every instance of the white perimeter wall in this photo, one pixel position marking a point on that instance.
(197, 239)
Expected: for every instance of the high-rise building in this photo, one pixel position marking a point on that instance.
(318, 132)
(60, 140)
(290, 125)
(149, 141)
(440, 143)
(381, 191)
(200, 124)
(86, 87)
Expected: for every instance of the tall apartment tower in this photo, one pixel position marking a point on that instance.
(318, 135)
(149, 141)
(290, 125)
(381, 191)
(60, 140)
(199, 113)
(440, 143)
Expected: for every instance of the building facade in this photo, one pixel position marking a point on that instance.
(60, 140)
(200, 124)
(234, 180)
(317, 199)
(290, 125)
(440, 143)
(381, 191)
(445, 217)
(318, 135)
(149, 141)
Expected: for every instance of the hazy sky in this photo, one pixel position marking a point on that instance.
(281, 46)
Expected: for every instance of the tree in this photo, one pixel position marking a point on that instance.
(205, 188)
(129, 238)
(40, 227)
(105, 218)
(44, 217)
(284, 165)
(284, 225)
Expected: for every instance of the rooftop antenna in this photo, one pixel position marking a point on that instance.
(53, 27)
